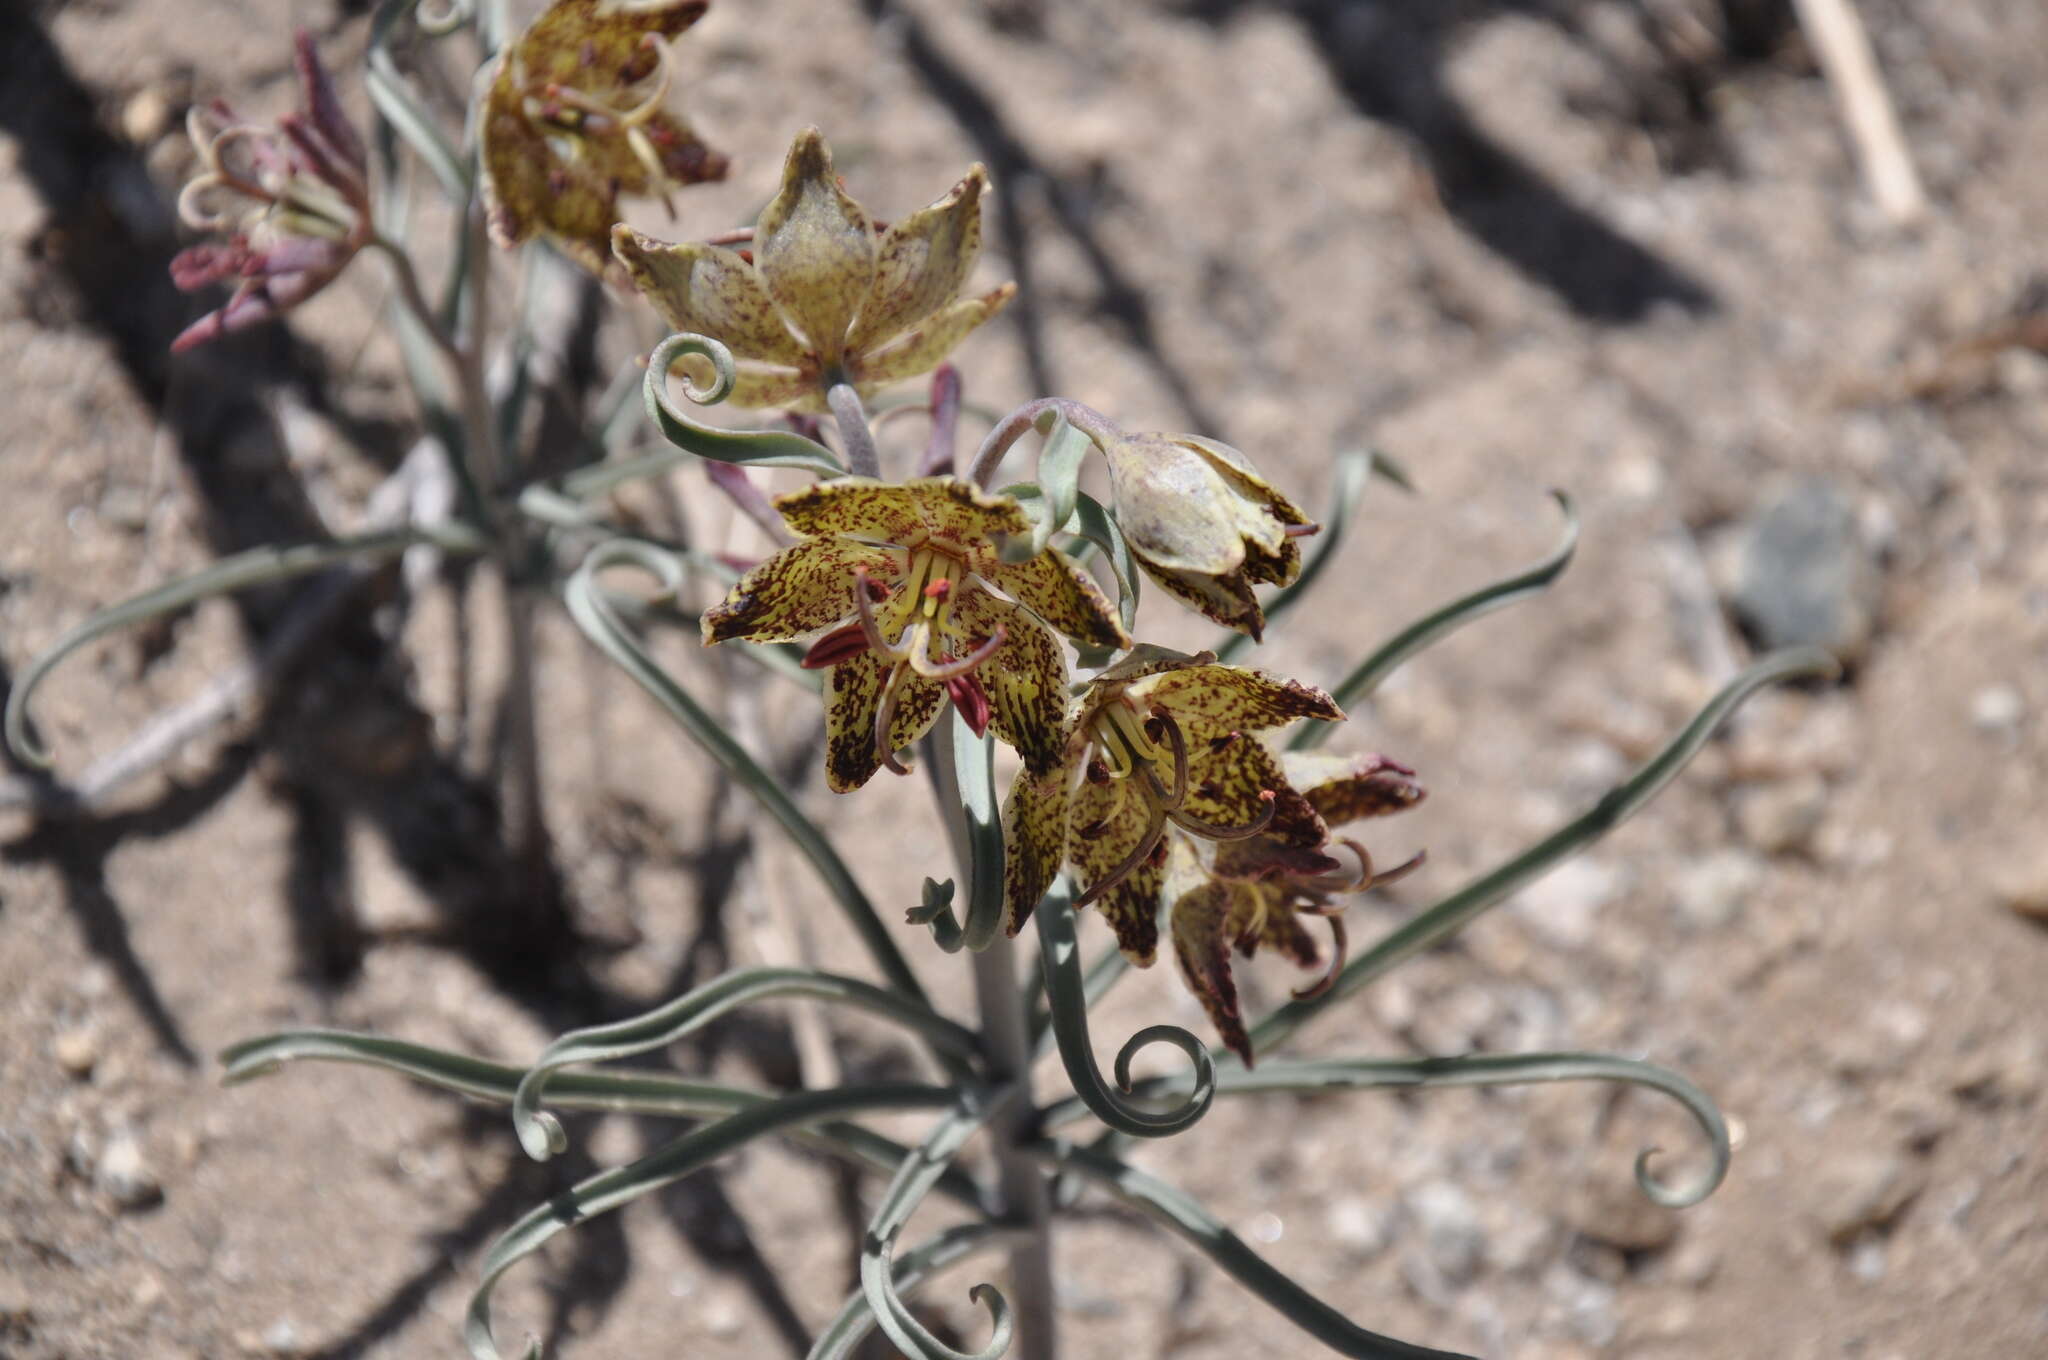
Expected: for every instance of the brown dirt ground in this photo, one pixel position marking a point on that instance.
(1518, 246)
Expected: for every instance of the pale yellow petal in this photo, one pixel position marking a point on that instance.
(922, 349)
(922, 263)
(815, 249)
(711, 291)
(799, 590)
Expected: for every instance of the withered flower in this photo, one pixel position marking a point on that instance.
(917, 608)
(1253, 893)
(301, 204)
(1159, 739)
(826, 296)
(1204, 524)
(575, 118)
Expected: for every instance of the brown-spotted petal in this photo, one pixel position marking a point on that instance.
(856, 507)
(595, 45)
(1210, 701)
(515, 163)
(709, 290)
(1350, 788)
(1236, 468)
(1052, 587)
(853, 695)
(964, 516)
(1034, 840)
(1225, 599)
(801, 589)
(1201, 945)
(923, 349)
(1108, 823)
(921, 264)
(1026, 678)
(1227, 786)
(815, 249)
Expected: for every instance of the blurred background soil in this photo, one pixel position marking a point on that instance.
(1618, 248)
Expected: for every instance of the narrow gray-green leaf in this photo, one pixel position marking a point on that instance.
(667, 1164)
(1066, 997)
(1360, 684)
(1174, 1209)
(1454, 912)
(758, 448)
(541, 1134)
(255, 567)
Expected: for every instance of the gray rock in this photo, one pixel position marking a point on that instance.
(1805, 576)
(125, 1175)
(1453, 1237)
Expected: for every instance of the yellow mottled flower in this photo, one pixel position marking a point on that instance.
(918, 608)
(826, 296)
(574, 119)
(1253, 893)
(1158, 739)
(1204, 524)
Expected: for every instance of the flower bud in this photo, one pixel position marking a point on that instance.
(1204, 524)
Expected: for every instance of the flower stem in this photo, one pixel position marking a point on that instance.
(856, 440)
(1025, 1203)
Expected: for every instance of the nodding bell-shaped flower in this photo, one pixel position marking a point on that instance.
(1253, 893)
(292, 202)
(575, 118)
(915, 608)
(1204, 524)
(825, 296)
(1160, 740)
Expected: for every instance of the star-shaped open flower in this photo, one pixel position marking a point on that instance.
(1204, 524)
(1158, 740)
(917, 607)
(574, 118)
(825, 296)
(1254, 893)
(301, 196)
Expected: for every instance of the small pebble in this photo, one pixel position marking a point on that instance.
(145, 116)
(1359, 1226)
(76, 1050)
(1713, 890)
(1780, 818)
(125, 1174)
(1453, 1238)
(2022, 885)
(1863, 1192)
(1997, 709)
(1806, 576)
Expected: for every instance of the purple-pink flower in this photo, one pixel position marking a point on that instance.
(291, 202)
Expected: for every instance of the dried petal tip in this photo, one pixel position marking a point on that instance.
(1204, 524)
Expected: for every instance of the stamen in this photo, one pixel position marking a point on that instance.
(1129, 865)
(1340, 941)
(885, 718)
(864, 610)
(1303, 530)
(1399, 871)
(947, 670)
(1179, 743)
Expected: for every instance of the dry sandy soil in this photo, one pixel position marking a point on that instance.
(1578, 243)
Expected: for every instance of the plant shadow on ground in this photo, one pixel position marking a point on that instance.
(1389, 57)
(339, 738)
